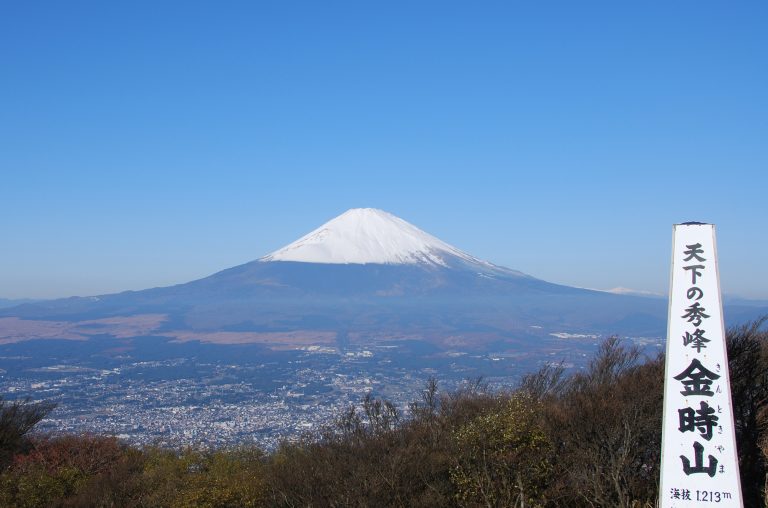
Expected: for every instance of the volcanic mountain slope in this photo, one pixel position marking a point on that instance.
(367, 275)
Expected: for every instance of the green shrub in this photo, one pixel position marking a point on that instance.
(503, 457)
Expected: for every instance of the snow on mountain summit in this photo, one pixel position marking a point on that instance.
(368, 235)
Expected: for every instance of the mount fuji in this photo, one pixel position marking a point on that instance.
(370, 236)
(365, 275)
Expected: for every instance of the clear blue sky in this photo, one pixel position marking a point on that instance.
(151, 143)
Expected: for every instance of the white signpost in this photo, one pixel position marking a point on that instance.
(699, 464)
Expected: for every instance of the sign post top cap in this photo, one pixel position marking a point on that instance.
(694, 223)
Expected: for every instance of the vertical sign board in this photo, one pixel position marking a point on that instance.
(699, 464)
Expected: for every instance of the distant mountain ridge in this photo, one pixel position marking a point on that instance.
(365, 275)
(11, 302)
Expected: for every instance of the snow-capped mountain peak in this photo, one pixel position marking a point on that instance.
(369, 235)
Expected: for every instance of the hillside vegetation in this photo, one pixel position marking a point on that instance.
(588, 439)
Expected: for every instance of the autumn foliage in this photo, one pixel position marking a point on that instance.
(588, 439)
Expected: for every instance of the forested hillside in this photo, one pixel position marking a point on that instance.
(587, 439)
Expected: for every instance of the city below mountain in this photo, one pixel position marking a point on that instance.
(365, 304)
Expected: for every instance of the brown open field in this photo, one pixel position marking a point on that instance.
(123, 327)
(17, 330)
